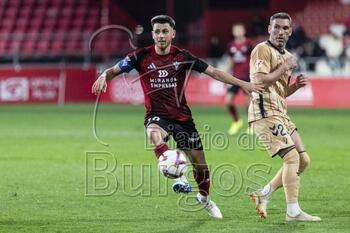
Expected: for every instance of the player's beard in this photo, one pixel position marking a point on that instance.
(279, 43)
(162, 45)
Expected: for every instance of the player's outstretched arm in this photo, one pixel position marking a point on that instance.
(101, 82)
(300, 81)
(229, 79)
(270, 78)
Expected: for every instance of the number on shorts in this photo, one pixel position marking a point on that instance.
(278, 129)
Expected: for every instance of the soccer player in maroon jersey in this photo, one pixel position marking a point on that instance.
(239, 51)
(162, 68)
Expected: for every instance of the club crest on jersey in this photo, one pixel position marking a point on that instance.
(152, 66)
(176, 64)
(162, 73)
(258, 63)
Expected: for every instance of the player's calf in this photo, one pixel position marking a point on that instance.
(304, 161)
(202, 177)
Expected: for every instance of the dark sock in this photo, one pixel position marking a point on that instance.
(202, 178)
(233, 111)
(160, 150)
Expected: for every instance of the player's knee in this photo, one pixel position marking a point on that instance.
(155, 135)
(291, 157)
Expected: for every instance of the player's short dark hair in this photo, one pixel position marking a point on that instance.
(163, 19)
(281, 15)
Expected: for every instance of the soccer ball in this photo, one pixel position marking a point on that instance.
(172, 164)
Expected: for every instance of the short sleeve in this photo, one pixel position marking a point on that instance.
(196, 63)
(260, 60)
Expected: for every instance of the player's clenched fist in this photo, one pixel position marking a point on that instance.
(301, 81)
(99, 85)
(290, 63)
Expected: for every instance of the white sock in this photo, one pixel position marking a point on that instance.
(267, 190)
(182, 179)
(293, 209)
(202, 198)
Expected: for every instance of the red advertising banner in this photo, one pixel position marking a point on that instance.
(73, 84)
(47, 85)
(331, 92)
(27, 86)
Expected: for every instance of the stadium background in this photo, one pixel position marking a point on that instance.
(46, 114)
(49, 51)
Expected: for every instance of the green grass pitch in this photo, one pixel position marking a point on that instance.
(56, 177)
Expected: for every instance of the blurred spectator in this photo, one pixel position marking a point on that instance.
(297, 40)
(333, 45)
(310, 49)
(305, 48)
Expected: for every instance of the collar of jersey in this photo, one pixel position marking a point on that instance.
(273, 46)
(172, 49)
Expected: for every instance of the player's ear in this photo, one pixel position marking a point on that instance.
(174, 34)
(269, 28)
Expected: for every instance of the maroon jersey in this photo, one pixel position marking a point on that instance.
(163, 80)
(240, 53)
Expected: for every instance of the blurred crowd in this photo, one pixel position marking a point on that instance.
(327, 54)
